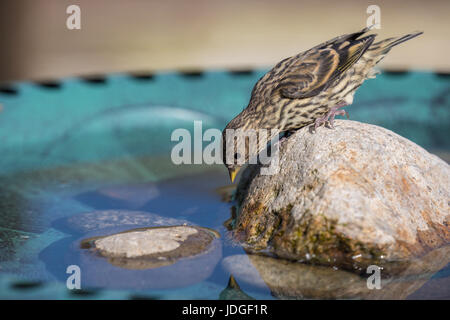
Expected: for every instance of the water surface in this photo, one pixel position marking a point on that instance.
(38, 242)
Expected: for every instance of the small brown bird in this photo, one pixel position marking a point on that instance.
(307, 88)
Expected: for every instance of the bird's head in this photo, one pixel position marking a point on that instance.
(240, 144)
(233, 168)
(232, 155)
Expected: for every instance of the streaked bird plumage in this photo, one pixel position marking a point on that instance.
(310, 86)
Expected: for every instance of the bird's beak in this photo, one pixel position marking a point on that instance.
(233, 173)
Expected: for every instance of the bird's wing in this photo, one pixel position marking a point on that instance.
(309, 74)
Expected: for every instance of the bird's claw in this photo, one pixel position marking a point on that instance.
(329, 117)
(336, 113)
(319, 122)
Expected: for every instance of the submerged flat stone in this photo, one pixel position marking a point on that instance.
(158, 257)
(145, 242)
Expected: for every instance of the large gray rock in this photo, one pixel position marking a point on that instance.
(349, 197)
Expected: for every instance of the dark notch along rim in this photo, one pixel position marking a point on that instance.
(49, 84)
(95, 79)
(10, 90)
(142, 76)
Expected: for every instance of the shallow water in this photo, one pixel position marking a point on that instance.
(38, 242)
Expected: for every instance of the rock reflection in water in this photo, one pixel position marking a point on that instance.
(288, 279)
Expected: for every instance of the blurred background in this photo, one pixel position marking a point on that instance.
(138, 35)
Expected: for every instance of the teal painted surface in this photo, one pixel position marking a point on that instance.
(87, 122)
(123, 118)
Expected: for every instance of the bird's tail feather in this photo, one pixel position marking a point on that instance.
(385, 45)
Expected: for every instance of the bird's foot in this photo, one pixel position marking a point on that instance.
(319, 121)
(329, 116)
(336, 113)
